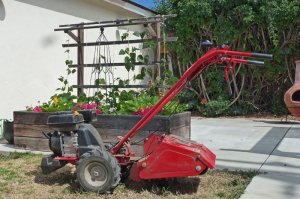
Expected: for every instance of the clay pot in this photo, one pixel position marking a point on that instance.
(292, 96)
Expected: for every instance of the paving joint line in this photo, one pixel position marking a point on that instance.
(275, 147)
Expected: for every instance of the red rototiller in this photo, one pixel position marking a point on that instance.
(100, 168)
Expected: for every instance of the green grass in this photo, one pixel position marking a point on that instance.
(21, 169)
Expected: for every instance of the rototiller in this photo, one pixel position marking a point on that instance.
(101, 167)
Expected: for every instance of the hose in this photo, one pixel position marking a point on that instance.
(2, 126)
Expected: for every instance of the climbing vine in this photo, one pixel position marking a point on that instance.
(250, 26)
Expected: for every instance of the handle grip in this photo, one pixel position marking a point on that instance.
(262, 56)
(257, 63)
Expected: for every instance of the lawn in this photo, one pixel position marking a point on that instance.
(21, 177)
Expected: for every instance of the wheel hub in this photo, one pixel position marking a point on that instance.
(95, 174)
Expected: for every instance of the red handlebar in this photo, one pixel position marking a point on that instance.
(212, 56)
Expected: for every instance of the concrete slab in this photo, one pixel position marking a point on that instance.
(240, 144)
(282, 168)
(6, 149)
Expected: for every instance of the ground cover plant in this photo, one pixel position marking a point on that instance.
(250, 26)
(21, 177)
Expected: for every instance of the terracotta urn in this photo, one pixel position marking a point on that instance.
(292, 96)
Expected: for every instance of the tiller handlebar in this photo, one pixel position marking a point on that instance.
(169, 156)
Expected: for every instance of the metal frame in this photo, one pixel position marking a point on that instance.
(214, 55)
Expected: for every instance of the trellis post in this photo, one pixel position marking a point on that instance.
(80, 60)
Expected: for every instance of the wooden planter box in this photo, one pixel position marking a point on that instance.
(28, 127)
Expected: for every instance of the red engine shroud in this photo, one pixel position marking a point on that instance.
(171, 156)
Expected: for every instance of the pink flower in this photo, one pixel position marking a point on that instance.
(37, 109)
(27, 107)
(94, 104)
(134, 113)
(146, 111)
(98, 111)
(38, 101)
(90, 106)
(77, 105)
(83, 106)
(99, 106)
(74, 109)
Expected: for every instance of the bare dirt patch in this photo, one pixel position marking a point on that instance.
(21, 177)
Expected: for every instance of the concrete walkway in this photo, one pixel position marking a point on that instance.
(269, 146)
(6, 148)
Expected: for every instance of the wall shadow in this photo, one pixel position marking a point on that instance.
(2, 11)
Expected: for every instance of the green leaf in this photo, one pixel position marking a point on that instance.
(143, 72)
(127, 63)
(99, 81)
(69, 71)
(134, 49)
(142, 34)
(67, 51)
(132, 66)
(139, 76)
(102, 57)
(132, 57)
(58, 89)
(127, 50)
(149, 72)
(122, 52)
(121, 83)
(146, 59)
(124, 36)
(66, 82)
(61, 78)
(146, 44)
(74, 71)
(70, 89)
(140, 58)
(136, 33)
(167, 72)
(152, 45)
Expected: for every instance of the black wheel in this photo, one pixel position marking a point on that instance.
(125, 170)
(8, 131)
(204, 171)
(98, 171)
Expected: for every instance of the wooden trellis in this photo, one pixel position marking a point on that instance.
(80, 44)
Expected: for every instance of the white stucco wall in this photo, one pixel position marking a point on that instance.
(31, 55)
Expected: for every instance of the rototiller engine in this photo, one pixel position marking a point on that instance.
(101, 167)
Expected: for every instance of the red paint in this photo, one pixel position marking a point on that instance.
(71, 160)
(173, 157)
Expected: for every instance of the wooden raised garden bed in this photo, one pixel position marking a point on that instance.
(28, 127)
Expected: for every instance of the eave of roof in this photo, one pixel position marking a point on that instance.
(140, 6)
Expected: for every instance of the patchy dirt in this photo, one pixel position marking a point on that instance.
(21, 177)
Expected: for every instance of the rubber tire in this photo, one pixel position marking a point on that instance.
(204, 171)
(9, 131)
(108, 161)
(125, 170)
